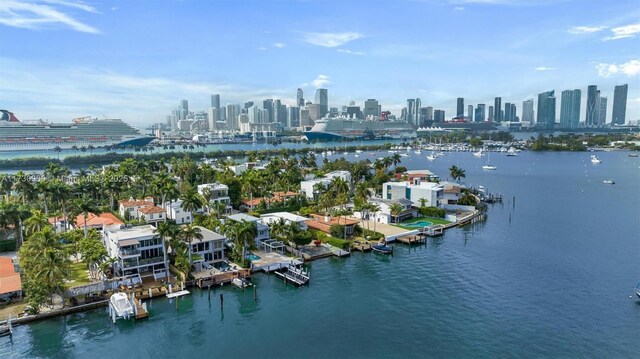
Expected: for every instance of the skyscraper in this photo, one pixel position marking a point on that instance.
(593, 108)
(619, 105)
(232, 117)
(470, 113)
(293, 116)
(509, 112)
(460, 107)
(410, 116)
(438, 116)
(268, 105)
(300, 98)
(602, 113)
(215, 101)
(546, 110)
(429, 113)
(416, 110)
(480, 114)
(497, 109)
(527, 111)
(184, 105)
(491, 114)
(570, 108)
(371, 108)
(322, 99)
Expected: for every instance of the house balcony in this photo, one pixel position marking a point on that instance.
(152, 260)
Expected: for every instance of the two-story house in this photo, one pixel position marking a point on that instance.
(262, 229)
(414, 191)
(216, 193)
(177, 214)
(209, 249)
(139, 250)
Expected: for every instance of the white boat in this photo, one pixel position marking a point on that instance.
(240, 283)
(417, 152)
(431, 157)
(120, 306)
(478, 154)
(440, 154)
(358, 151)
(345, 153)
(595, 159)
(609, 181)
(356, 155)
(489, 167)
(404, 155)
(512, 152)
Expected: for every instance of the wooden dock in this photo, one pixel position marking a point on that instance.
(141, 309)
(413, 239)
(294, 275)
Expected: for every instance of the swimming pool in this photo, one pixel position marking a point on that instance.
(418, 224)
(252, 257)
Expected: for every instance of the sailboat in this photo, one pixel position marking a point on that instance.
(487, 166)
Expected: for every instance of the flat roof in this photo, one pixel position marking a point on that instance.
(239, 217)
(133, 232)
(285, 215)
(208, 236)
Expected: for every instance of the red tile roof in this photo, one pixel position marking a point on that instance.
(93, 220)
(9, 278)
(318, 222)
(151, 209)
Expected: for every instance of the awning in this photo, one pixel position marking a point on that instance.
(128, 242)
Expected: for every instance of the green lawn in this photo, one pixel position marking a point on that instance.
(79, 274)
(418, 219)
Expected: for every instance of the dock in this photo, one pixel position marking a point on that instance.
(362, 247)
(177, 294)
(140, 309)
(339, 252)
(294, 275)
(413, 239)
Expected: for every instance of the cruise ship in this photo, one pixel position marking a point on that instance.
(81, 132)
(340, 128)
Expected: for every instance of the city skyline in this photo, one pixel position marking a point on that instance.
(71, 59)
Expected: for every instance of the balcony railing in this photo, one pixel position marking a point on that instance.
(151, 260)
(128, 252)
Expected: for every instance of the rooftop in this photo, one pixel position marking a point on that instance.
(208, 236)
(285, 215)
(9, 278)
(239, 217)
(151, 209)
(136, 202)
(93, 220)
(120, 234)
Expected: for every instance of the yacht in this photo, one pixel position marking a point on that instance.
(478, 154)
(609, 181)
(595, 159)
(489, 167)
(431, 157)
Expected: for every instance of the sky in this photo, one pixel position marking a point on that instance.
(135, 60)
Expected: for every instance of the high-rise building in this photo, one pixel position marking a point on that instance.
(619, 104)
(322, 100)
(570, 108)
(410, 115)
(371, 108)
(429, 116)
(232, 117)
(314, 111)
(602, 113)
(491, 115)
(527, 111)
(546, 110)
(509, 112)
(460, 107)
(416, 110)
(212, 116)
(184, 104)
(470, 113)
(293, 116)
(591, 118)
(354, 112)
(215, 101)
(480, 114)
(268, 106)
(497, 109)
(438, 116)
(300, 98)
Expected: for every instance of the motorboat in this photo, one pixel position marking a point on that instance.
(417, 152)
(358, 151)
(404, 155)
(595, 159)
(633, 155)
(609, 181)
(120, 306)
(512, 152)
(479, 153)
(440, 154)
(240, 282)
(382, 248)
(489, 167)
(431, 157)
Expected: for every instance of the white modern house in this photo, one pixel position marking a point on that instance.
(263, 229)
(139, 250)
(414, 191)
(209, 249)
(287, 217)
(308, 187)
(243, 167)
(219, 193)
(384, 214)
(176, 213)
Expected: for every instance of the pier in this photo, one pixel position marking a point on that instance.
(294, 275)
(413, 239)
(361, 246)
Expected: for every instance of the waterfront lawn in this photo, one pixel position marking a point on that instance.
(78, 274)
(418, 219)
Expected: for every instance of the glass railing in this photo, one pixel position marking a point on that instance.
(151, 260)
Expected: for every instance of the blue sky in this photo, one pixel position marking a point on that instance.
(136, 59)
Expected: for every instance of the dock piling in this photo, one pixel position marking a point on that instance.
(209, 291)
(255, 293)
(221, 301)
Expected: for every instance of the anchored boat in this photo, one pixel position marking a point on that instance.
(382, 248)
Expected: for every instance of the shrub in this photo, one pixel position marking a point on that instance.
(434, 212)
(340, 243)
(302, 238)
(337, 230)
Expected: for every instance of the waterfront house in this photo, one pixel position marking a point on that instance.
(309, 187)
(138, 250)
(384, 214)
(262, 229)
(324, 223)
(243, 167)
(422, 175)
(452, 192)
(414, 191)
(209, 249)
(152, 214)
(176, 213)
(97, 221)
(10, 283)
(288, 218)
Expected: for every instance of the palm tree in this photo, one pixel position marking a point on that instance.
(8, 217)
(396, 159)
(86, 205)
(456, 173)
(191, 201)
(188, 233)
(35, 223)
(60, 193)
(57, 150)
(169, 231)
(395, 209)
(24, 186)
(423, 202)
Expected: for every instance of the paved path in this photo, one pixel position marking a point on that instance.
(386, 229)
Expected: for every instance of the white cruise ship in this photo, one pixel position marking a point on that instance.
(82, 132)
(341, 128)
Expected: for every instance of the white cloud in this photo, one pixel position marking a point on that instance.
(30, 15)
(544, 68)
(458, 8)
(629, 68)
(347, 51)
(321, 81)
(578, 30)
(330, 39)
(623, 32)
(279, 45)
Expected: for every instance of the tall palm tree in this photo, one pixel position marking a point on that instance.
(24, 186)
(8, 217)
(169, 232)
(35, 223)
(85, 205)
(188, 233)
(60, 194)
(395, 209)
(191, 201)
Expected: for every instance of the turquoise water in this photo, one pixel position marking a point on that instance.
(253, 257)
(549, 276)
(418, 224)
